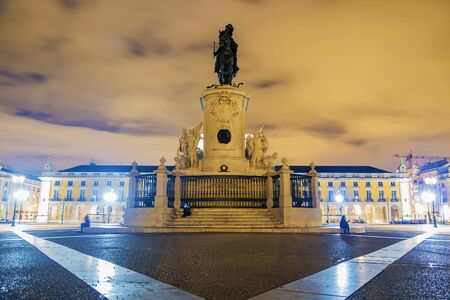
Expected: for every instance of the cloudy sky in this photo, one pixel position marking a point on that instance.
(337, 82)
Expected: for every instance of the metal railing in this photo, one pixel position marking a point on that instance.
(276, 191)
(301, 190)
(145, 190)
(170, 191)
(224, 191)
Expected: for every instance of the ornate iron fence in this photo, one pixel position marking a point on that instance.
(301, 190)
(145, 190)
(170, 191)
(276, 190)
(224, 191)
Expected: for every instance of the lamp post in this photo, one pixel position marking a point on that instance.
(428, 197)
(18, 195)
(339, 198)
(110, 197)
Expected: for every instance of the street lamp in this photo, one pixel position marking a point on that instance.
(339, 198)
(429, 197)
(110, 197)
(18, 195)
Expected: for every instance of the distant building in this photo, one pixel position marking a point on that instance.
(430, 186)
(26, 210)
(98, 190)
(368, 194)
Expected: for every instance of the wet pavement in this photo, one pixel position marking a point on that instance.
(223, 266)
(26, 273)
(423, 273)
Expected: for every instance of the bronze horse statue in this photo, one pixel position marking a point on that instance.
(226, 56)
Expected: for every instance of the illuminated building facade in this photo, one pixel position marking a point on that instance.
(98, 190)
(361, 193)
(12, 184)
(430, 185)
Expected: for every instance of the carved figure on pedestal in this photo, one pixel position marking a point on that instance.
(268, 161)
(193, 139)
(257, 146)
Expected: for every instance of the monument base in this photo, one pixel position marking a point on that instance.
(148, 216)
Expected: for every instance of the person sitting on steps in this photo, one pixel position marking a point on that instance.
(186, 210)
(344, 225)
(87, 223)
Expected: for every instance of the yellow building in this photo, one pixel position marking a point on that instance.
(12, 181)
(100, 191)
(430, 184)
(361, 193)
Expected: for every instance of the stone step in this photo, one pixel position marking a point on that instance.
(227, 213)
(194, 219)
(222, 226)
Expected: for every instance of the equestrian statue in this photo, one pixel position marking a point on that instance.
(226, 56)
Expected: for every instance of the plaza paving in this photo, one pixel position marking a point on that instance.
(225, 265)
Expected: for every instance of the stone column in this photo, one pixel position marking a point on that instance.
(285, 185)
(132, 185)
(269, 191)
(314, 186)
(161, 200)
(177, 201)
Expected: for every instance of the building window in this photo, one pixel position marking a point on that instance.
(109, 183)
(355, 183)
(368, 183)
(368, 195)
(82, 195)
(122, 183)
(5, 195)
(95, 194)
(95, 183)
(70, 183)
(330, 183)
(330, 196)
(380, 183)
(392, 183)
(57, 183)
(344, 195)
(343, 183)
(121, 195)
(320, 195)
(69, 195)
(394, 195)
(56, 195)
(83, 183)
(380, 195)
(355, 194)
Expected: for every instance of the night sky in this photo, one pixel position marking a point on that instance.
(337, 82)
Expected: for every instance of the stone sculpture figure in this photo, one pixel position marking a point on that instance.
(226, 56)
(183, 148)
(257, 146)
(193, 138)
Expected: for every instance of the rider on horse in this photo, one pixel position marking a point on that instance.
(226, 56)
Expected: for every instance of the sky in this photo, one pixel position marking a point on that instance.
(335, 82)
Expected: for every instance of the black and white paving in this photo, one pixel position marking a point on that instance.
(383, 263)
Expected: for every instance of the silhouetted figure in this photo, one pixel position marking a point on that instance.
(87, 223)
(434, 221)
(186, 210)
(344, 225)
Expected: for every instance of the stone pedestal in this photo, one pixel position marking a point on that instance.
(224, 130)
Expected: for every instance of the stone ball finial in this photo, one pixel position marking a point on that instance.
(134, 165)
(312, 165)
(162, 160)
